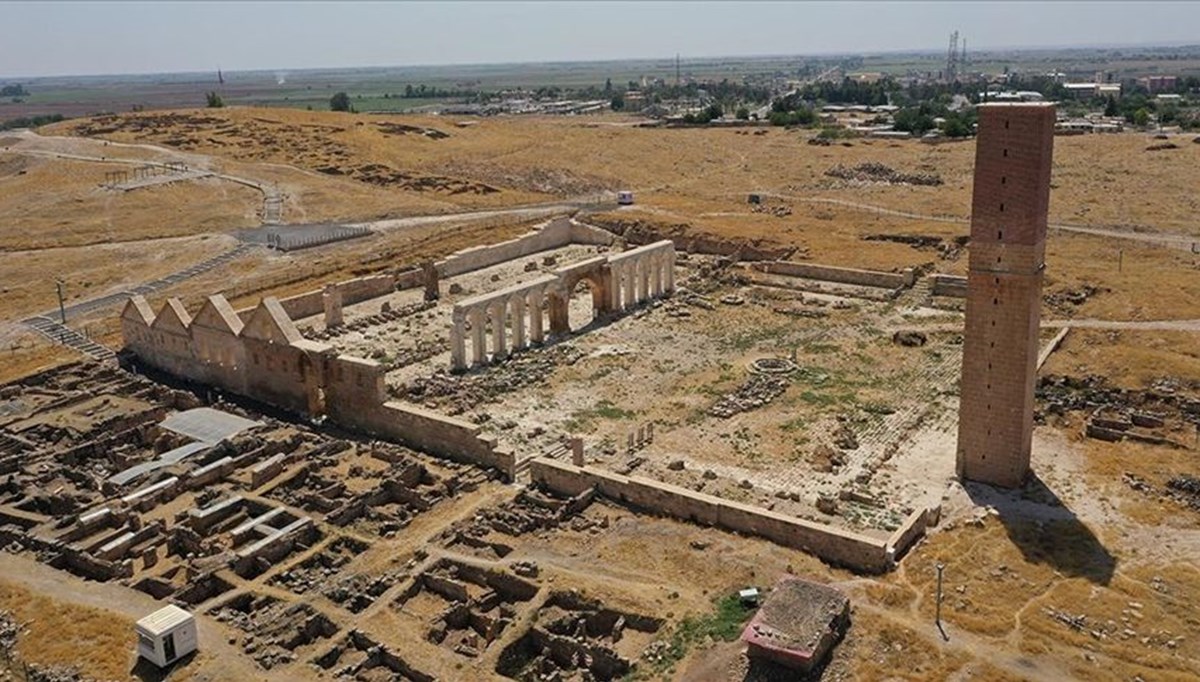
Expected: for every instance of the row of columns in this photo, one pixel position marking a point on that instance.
(640, 278)
(521, 309)
(627, 280)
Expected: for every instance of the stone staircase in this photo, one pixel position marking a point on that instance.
(70, 338)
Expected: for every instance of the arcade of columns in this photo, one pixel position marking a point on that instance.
(620, 282)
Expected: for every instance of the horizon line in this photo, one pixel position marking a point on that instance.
(895, 51)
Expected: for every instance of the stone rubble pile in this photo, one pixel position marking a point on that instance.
(9, 629)
(1186, 490)
(387, 315)
(871, 172)
(779, 211)
(757, 391)
(461, 392)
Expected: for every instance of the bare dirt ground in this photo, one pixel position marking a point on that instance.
(1087, 574)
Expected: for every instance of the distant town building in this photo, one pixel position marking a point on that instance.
(1009, 96)
(1157, 84)
(1094, 89)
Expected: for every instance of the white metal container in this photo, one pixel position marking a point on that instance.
(166, 635)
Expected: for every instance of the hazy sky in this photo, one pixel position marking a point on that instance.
(61, 38)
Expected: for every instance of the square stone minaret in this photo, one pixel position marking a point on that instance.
(1013, 153)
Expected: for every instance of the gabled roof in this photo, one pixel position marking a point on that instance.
(138, 310)
(216, 313)
(172, 318)
(269, 322)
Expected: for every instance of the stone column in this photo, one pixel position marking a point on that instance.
(536, 333)
(629, 284)
(429, 270)
(614, 288)
(518, 320)
(644, 265)
(499, 333)
(458, 344)
(478, 338)
(331, 301)
(656, 275)
(560, 301)
(669, 271)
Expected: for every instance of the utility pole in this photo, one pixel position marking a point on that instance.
(62, 311)
(938, 616)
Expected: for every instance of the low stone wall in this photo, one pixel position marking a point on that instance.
(363, 288)
(353, 291)
(913, 527)
(436, 434)
(833, 273)
(950, 285)
(556, 234)
(833, 545)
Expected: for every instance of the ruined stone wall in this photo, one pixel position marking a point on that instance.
(427, 431)
(950, 285)
(913, 527)
(409, 279)
(830, 544)
(275, 374)
(832, 273)
(306, 304)
(353, 291)
(277, 366)
(363, 288)
(556, 234)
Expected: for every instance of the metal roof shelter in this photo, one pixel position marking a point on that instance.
(166, 459)
(207, 425)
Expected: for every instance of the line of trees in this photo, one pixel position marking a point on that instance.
(423, 91)
(31, 121)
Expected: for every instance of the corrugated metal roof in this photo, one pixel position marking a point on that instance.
(164, 460)
(164, 620)
(207, 425)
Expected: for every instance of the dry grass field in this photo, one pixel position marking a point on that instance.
(1103, 548)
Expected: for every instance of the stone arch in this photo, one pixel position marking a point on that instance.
(599, 282)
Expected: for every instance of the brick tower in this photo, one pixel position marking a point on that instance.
(1004, 291)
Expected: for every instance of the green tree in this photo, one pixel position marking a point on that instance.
(617, 103)
(1141, 118)
(714, 111)
(214, 100)
(1110, 107)
(340, 102)
(743, 114)
(608, 86)
(956, 126)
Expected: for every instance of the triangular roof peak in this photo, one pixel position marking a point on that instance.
(216, 313)
(137, 309)
(269, 322)
(173, 317)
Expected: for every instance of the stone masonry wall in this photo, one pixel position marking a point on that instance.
(833, 273)
(268, 360)
(557, 233)
(834, 545)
